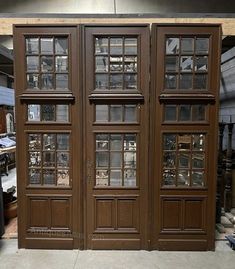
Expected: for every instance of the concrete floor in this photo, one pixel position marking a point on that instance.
(13, 258)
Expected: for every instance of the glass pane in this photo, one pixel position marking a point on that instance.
(115, 178)
(62, 113)
(130, 114)
(101, 81)
(200, 81)
(201, 63)
(116, 113)
(32, 45)
(101, 64)
(130, 160)
(115, 159)
(130, 142)
(184, 142)
(186, 81)
(62, 82)
(130, 81)
(169, 159)
(170, 81)
(63, 177)
(202, 45)
(34, 142)
(116, 64)
(61, 63)
(116, 81)
(116, 142)
(186, 63)
(49, 159)
(169, 177)
(172, 45)
(34, 158)
(32, 63)
(198, 112)
(187, 45)
(102, 159)
(102, 142)
(184, 160)
(61, 45)
(46, 63)
(49, 141)
(62, 159)
(129, 177)
(185, 113)
(198, 178)
(48, 112)
(47, 82)
(198, 160)
(198, 142)
(172, 63)
(101, 45)
(49, 177)
(183, 178)
(102, 177)
(32, 81)
(34, 176)
(34, 113)
(130, 64)
(169, 141)
(116, 46)
(130, 45)
(102, 113)
(170, 113)
(46, 45)
(62, 142)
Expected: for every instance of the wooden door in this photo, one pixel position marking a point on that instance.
(184, 105)
(115, 137)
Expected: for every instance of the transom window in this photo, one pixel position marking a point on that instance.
(183, 160)
(186, 63)
(47, 63)
(116, 160)
(116, 63)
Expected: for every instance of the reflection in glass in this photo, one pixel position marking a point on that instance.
(48, 112)
(198, 160)
(62, 82)
(183, 178)
(200, 81)
(102, 177)
(115, 113)
(62, 142)
(101, 64)
(130, 160)
(32, 63)
(34, 158)
(49, 159)
(115, 178)
(32, 45)
(130, 45)
(115, 142)
(130, 81)
(34, 113)
(170, 81)
(101, 45)
(116, 81)
(63, 177)
(34, 176)
(186, 63)
(186, 81)
(170, 113)
(47, 81)
(198, 178)
(198, 142)
(201, 63)
(116, 46)
(184, 160)
(49, 141)
(169, 177)
(102, 113)
(130, 142)
(61, 45)
(102, 142)
(46, 45)
(130, 114)
(62, 113)
(172, 63)
(49, 177)
(115, 159)
(32, 81)
(102, 159)
(185, 113)
(169, 159)
(184, 142)
(198, 112)
(101, 81)
(61, 63)
(187, 45)
(130, 64)
(46, 63)
(172, 45)
(169, 141)
(129, 177)
(202, 45)
(34, 142)
(115, 64)
(62, 159)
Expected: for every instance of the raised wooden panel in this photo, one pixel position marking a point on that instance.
(38, 213)
(171, 214)
(194, 215)
(104, 213)
(127, 214)
(60, 214)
